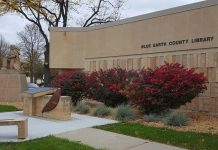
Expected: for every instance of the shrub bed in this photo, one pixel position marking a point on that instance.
(165, 87)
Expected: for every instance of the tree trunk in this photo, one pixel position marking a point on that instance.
(46, 66)
(31, 71)
(35, 80)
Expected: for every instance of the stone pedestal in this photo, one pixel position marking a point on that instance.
(34, 106)
(12, 83)
(61, 112)
(35, 101)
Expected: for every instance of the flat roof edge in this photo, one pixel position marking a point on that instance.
(165, 12)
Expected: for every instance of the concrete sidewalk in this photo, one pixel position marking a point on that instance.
(41, 127)
(112, 141)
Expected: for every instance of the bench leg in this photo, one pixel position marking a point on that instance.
(23, 129)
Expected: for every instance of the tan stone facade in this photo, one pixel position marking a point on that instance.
(187, 35)
(11, 85)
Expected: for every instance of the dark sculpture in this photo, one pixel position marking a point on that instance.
(53, 102)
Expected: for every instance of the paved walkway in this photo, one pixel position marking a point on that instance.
(41, 127)
(112, 141)
(78, 129)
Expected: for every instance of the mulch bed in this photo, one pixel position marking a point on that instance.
(199, 123)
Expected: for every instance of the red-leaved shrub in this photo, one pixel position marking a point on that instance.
(168, 86)
(108, 85)
(60, 79)
(72, 83)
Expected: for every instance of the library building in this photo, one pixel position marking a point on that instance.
(187, 35)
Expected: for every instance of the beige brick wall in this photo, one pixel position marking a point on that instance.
(69, 47)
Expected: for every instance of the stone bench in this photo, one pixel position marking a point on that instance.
(22, 125)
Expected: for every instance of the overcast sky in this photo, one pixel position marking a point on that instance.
(11, 24)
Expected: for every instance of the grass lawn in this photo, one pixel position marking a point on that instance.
(47, 143)
(4, 108)
(190, 140)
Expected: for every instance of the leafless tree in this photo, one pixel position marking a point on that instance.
(4, 48)
(31, 44)
(59, 13)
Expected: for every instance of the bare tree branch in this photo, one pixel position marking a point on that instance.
(31, 44)
(105, 11)
(4, 48)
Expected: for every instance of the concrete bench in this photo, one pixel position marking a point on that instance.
(22, 125)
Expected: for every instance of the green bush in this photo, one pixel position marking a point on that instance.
(124, 113)
(102, 111)
(82, 108)
(152, 118)
(176, 118)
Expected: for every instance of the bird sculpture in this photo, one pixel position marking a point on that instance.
(53, 102)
